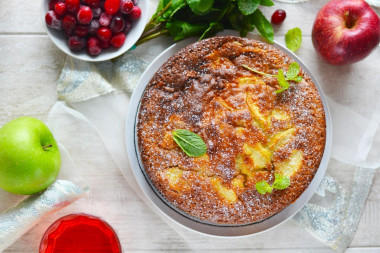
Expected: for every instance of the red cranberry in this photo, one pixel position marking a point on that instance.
(68, 23)
(118, 40)
(73, 5)
(94, 26)
(76, 44)
(96, 12)
(84, 15)
(127, 26)
(93, 46)
(92, 3)
(278, 17)
(60, 8)
(68, 33)
(104, 44)
(135, 13)
(126, 6)
(81, 30)
(111, 6)
(104, 34)
(52, 4)
(105, 19)
(52, 20)
(117, 24)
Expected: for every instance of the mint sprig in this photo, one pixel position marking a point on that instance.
(191, 143)
(291, 75)
(280, 183)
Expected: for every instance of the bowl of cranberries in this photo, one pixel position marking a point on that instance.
(95, 30)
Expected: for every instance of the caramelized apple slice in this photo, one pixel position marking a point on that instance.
(227, 194)
(291, 165)
(281, 138)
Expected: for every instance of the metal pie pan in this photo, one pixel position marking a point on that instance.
(165, 207)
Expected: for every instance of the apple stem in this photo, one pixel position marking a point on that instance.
(47, 146)
(349, 20)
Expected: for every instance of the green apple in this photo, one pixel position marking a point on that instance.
(29, 156)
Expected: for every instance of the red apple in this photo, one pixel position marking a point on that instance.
(346, 31)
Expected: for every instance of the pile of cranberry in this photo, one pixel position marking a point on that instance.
(93, 24)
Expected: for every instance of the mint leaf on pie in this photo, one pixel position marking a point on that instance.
(263, 187)
(282, 81)
(281, 182)
(191, 143)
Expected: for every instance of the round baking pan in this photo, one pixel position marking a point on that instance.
(165, 207)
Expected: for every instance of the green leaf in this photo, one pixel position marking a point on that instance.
(191, 143)
(247, 7)
(181, 29)
(263, 25)
(281, 182)
(293, 39)
(282, 81)
(200, 7)
(212, 30)
(178, 8)
(293, 71)
(246, 26)
(297, 79)
(235, 20)
(266, 3)
(263, 187)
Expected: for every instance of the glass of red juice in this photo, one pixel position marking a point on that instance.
(76, 233)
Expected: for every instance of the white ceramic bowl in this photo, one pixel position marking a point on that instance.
(172, 212)
(61, 41)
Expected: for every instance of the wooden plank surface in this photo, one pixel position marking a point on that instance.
(29, 69)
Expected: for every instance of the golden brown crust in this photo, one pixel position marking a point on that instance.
(250, 131)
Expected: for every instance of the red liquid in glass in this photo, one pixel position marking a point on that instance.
(77, 233)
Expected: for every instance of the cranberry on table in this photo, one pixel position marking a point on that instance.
(126, 6)
(60, 8)
(118, 40)
(73, 5)
(111, 6)
(278, 17)
(135, 13)
(52, 20)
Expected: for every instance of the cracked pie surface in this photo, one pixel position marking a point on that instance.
(251, 132)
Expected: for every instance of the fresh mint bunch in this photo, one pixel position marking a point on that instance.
(291, 75)
(280, 182)
(181, 19)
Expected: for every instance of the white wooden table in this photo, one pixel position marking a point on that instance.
(30, 66)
